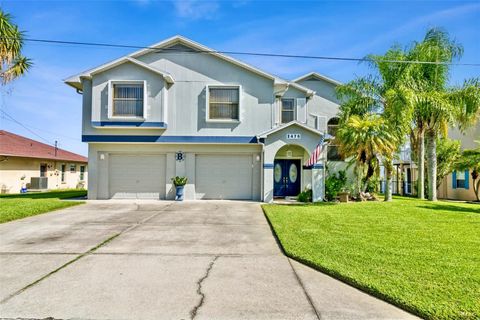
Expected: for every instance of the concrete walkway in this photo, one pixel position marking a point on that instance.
(165, 260)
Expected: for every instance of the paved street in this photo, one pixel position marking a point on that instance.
(165, 260)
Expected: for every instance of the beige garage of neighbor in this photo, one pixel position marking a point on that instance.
(224, 176)
(134, 176)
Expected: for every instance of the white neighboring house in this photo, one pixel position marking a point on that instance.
(235, 131)
(37, 165)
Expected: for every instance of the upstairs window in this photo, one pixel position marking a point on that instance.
(288, 110)
(73, 168)
(223, 103)
(127, 99)
(333, 153)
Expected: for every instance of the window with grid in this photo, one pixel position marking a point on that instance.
(223, 103)
(127, 100)
(288, 110)
(82, 173)
(333, 153)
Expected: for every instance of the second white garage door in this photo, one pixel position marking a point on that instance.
(223, 177)
(137, 176)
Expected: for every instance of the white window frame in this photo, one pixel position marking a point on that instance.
(110, 99)
(294, 111)
(207, 106)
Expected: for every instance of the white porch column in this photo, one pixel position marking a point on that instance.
(318, 187)
(267, 182)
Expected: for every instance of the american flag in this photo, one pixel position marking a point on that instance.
(317, 152)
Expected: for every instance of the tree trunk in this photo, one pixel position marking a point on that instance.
(432, 164)
(476, 188)
(388, 165)
(421, 164)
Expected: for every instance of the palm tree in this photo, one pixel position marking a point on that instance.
(384, 93)
(365, 138)
(12, 63)
(470, 159)
(436, 106)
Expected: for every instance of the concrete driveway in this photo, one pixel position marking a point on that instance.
(165, 260)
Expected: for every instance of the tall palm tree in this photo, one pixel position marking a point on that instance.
(437, 106)
(365, 138)
(383, 93)
(12, 63)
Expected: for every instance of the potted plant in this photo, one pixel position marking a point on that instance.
(344, 194)
(179, 183)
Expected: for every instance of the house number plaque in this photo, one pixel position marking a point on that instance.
(294, 136)
(179, 156)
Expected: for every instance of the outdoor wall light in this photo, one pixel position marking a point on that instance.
(102, 156)
(257, 157)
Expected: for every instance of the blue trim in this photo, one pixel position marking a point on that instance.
(172, 139)
(454, 180)
(138, 124)
(268, 165)
(317, 166)
(467, 180)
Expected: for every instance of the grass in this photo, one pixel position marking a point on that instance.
(18, 206)
(421, 256)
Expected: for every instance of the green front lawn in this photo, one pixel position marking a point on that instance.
(17, 206)
(421, 256)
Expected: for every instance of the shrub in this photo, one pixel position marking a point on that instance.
(305, 196)
(335, 183)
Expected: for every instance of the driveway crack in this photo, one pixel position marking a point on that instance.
(84, 254)
(194, 311)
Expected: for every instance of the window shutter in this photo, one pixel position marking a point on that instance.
(302, 110)
(454, 179)
(466, 179)
(322, 123)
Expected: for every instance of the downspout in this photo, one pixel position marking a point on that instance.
(277, 94)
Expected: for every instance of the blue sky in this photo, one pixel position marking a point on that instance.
(43, 103)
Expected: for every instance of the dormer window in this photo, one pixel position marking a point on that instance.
(127, 99)
(223, 103)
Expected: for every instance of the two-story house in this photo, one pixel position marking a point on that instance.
(179, 108)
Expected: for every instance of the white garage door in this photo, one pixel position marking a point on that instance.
(137, 176)
(223, 177)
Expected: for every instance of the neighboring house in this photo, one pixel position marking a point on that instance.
(459, 184)
(38, 165)
(181, 109)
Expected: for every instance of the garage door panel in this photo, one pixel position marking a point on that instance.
(223, 177)
(137, 176)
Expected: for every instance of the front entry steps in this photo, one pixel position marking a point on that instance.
(286, 200)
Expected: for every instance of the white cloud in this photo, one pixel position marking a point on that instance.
(196, 9)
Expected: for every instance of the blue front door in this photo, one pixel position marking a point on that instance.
(286, 177)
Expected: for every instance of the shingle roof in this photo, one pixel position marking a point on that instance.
(17, 146)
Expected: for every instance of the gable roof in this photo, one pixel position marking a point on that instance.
(286, 125)
(317, 76)
(17, 146)
(75, 81)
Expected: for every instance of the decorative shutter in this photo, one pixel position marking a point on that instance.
(322, 123)
(302, 110)
(454, 179)
(467, 179)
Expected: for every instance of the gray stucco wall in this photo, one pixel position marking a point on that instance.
(323, 104)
